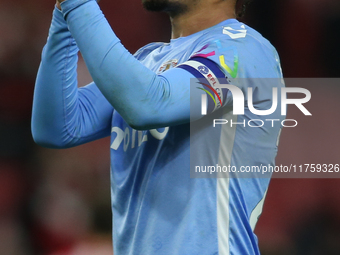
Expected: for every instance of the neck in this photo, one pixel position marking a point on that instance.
(201, 16)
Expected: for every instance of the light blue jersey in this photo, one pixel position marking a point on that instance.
(166, 211)
(158, 209)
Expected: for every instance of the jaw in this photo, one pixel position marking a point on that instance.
(172, 7)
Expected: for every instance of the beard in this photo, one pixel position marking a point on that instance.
(173, 7)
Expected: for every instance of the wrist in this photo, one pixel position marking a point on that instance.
(58, 5)
(68, 5)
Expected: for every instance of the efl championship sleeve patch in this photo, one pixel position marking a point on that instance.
(210, 77)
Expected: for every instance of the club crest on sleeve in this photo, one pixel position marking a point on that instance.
(167, 65)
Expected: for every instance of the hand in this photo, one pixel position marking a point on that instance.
(60, 1)
(58, 5)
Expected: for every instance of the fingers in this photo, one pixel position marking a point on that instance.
(58, 5)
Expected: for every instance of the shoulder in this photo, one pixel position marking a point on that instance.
(145, 50)
(232, 32)
(239, 50)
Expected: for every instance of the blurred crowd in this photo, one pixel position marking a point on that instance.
(57, 202)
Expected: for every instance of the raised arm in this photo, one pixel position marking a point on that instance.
(145, 100)
(63, 115)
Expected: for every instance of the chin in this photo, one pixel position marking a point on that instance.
(172, 7)
(156, 5)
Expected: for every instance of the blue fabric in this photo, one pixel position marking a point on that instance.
(64, 116)
(143, 101)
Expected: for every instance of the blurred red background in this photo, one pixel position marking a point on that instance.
(57, 202)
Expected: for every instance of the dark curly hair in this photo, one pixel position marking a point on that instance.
(241, 6)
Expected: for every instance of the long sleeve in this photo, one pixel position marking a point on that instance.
(145, 100)
(63, 115)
